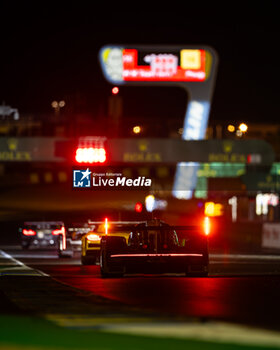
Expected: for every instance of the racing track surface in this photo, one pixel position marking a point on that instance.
(241, 288)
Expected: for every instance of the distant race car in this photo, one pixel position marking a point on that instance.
(75, 233)
(155, 247)
(91, 241)
(45, 235)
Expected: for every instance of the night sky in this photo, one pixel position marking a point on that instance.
(49, 51)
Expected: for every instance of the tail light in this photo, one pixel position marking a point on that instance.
(207, 225)
(106, 226)
(61, 231)
(28, 232)
(93, 238)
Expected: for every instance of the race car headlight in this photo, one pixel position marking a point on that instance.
(93, 238)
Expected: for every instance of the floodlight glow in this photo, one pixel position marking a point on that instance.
(150, 203)
(136, 129)
(243, 127)
(90, 155)
(115, 90)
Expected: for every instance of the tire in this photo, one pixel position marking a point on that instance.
(63, 253)
(198, 273)
(85, 260)
(195, 274)
(59, 247)
(105, 271)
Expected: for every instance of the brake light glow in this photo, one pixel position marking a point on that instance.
(154, 255)
(207, 225)
(28, 232)
(90, 155)
(138, 207)
(93, 238)
(61, 232)
(106, 225)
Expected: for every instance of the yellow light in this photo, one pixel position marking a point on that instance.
(231, 128)
(54, 104)
(213, 209)
(190, 59)
(137, 129)
(243, 127)
(209, 208)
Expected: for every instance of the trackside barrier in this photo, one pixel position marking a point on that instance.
(271, 236)
(228, 237)
(250, 238)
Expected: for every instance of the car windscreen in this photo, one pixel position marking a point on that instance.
(43, 226)
(159, 238)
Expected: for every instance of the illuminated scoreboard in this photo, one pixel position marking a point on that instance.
(122, 65)
(193, 68)
(187, 65)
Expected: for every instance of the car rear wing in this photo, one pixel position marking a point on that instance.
(79, 229)
(43, 222)
(116, 222)
(143, 225)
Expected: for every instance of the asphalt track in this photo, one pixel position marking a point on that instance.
(241, 288)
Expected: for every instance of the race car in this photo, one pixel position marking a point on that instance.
(47, 235)
(91, 240)
(75, 233)
(42, 234)
(156, 247)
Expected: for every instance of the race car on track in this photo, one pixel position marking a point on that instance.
(46, 235)
(41, 234)
(91, 241)
(156, 247)
(75, 233)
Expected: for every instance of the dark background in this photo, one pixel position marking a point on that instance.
(49, 51)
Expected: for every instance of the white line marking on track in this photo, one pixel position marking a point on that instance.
(9, 257)
(34, 256)
(18, 268)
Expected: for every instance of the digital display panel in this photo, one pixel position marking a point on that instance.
(135, 65)
(185, 65)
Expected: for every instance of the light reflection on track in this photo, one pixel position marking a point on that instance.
(227, 295)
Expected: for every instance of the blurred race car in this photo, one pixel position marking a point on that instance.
(156, 247)
(43, 234)
(75, 233)
(91, 241)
